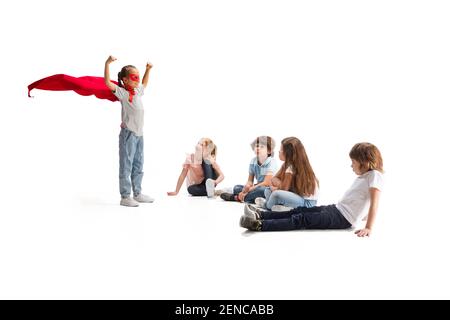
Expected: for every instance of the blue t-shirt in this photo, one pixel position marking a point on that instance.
(260, 171)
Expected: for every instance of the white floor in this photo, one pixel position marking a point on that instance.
(63, 234)
(192, 248)
(332, 73)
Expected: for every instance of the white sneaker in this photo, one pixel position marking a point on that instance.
(260, 202)
(143, 198)
(251, 211)
(210, 185)
(128, 202)
(281, 208)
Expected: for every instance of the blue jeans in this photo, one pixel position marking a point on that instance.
(131, 158)
(322, 217)
(286, 198)
(252, 195)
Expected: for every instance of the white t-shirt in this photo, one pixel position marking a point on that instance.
(132, 113)
(355, 201)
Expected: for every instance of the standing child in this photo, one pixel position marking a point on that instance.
(295, 184)
(367, 163)
(201, 171)
(131, 141)
(262, 168)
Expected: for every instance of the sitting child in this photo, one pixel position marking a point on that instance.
(200, 170)
(262, 168)
(295, 185)
(367, 163)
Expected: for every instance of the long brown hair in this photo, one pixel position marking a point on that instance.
(367, 155)
(304, 181)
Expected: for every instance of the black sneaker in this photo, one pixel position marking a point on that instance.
(250, 224)
(228, 196)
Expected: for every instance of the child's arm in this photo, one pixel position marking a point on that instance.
(249, 186)
(265, 183)
(220, 174)
(108, 82)
(180, 181)
(286, 182)
(275, 182)
(249, 183)
(246, 188)
(374, 198)
(147, 71)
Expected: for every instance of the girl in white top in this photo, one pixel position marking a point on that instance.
(367, 163)
(295, 184)
(131, 140)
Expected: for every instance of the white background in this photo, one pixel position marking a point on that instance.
(332, 73)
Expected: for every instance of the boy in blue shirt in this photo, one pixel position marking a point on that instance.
(262, 168)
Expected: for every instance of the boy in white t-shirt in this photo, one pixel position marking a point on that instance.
(367, 163)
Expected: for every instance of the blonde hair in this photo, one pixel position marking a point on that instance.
(367, 155)
(210, 147)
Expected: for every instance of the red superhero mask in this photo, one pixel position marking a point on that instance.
(133, 77)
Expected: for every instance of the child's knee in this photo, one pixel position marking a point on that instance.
(237, 189)
(276, 195)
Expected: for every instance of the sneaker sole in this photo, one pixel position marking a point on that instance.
(131, 206)
(144, 201)
(241, 222)
(249, 212)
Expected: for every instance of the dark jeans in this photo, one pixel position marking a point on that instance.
(198, 190)
(322, 217)
(252, 195)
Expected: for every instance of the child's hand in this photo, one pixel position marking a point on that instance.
(363, 232)
(173, 193)
(273, 188)
(110, 59)
(209, 159)
(198, 156)
(148, 66)
(241, 196)
(276, 182)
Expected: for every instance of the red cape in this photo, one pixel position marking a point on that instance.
(84, 86)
